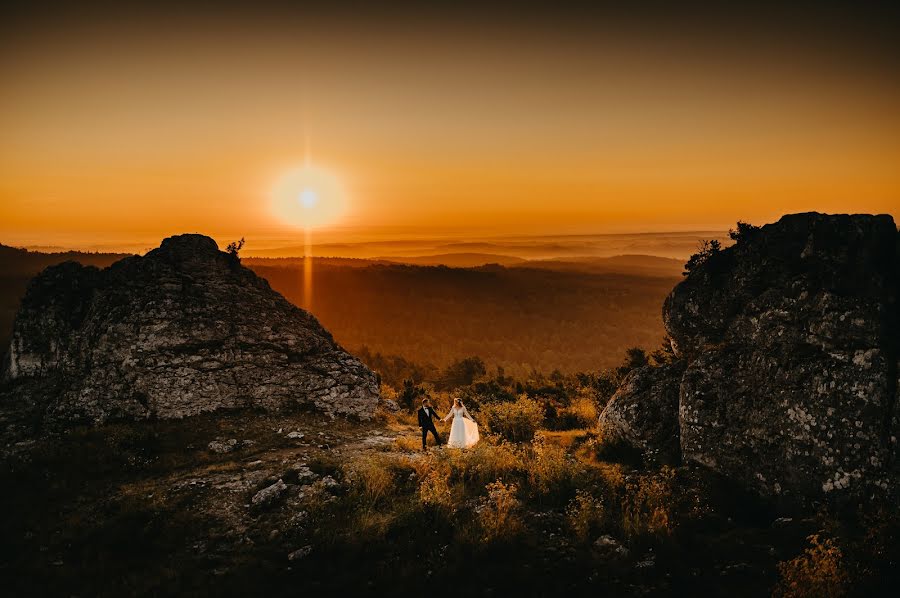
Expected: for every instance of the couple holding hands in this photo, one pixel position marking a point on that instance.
(463, 431)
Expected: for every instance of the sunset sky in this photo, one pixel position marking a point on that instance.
(121, 126)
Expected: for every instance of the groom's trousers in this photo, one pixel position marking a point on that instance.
(434, 432)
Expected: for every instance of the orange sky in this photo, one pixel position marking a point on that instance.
(151, 124)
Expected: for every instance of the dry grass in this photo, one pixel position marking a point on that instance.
(373, 524)
(570, 440)
(408, 443)
(485, 463)
(648, 503)
(498, 513)
(371, 477)
(611, 478)
(434, 483)
(551, 474)
(587, 515)
(818, 572)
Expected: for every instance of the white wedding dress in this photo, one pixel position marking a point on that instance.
(464, 431)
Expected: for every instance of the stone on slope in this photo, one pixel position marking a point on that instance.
(269, 495)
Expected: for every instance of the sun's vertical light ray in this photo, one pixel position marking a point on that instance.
(307, 270)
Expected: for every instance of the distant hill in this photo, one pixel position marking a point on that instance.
(455, 260)
(344, 262)
(639, 265)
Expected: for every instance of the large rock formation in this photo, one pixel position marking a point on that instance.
(790, 345)
(643, 413)
(182, 330)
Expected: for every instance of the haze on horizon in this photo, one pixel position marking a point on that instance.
(125, 127)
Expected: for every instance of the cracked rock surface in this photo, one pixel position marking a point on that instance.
(788, 350)
(183, 330)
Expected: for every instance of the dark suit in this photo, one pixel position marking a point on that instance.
(426, 422)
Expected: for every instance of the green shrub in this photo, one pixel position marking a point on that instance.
(372, 478)
(434, 483)
(516, 422)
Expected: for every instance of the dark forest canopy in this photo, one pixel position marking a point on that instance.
(521, 319)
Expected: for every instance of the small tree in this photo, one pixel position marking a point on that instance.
(463, 372)
(635, 358)
(605, 384)
(410, 394)
(705, 251)
(665, 354)
(744, 231)
(234, 249)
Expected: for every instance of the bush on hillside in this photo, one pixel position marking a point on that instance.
(515, 422)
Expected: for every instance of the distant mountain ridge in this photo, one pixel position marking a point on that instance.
(642, 265)
(678, 245)
(455, 260)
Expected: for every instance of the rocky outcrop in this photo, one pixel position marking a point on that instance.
(790, 338)
(182, 330)
(643, 413)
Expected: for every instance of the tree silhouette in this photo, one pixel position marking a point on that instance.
(234, 249)
(706, 250)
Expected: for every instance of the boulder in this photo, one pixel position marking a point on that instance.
(183, 330)
(643, 412)
(222, 447)
(790, 337)
(789, 340)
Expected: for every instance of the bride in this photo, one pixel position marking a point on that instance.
(464, 431)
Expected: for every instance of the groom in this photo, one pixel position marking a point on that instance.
(426, 422)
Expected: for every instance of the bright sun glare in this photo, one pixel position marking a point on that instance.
(308, 197)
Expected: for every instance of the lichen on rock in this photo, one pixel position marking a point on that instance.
(643, 412)
(790, 337)
(183, 330)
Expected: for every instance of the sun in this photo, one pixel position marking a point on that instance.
(308, 197)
